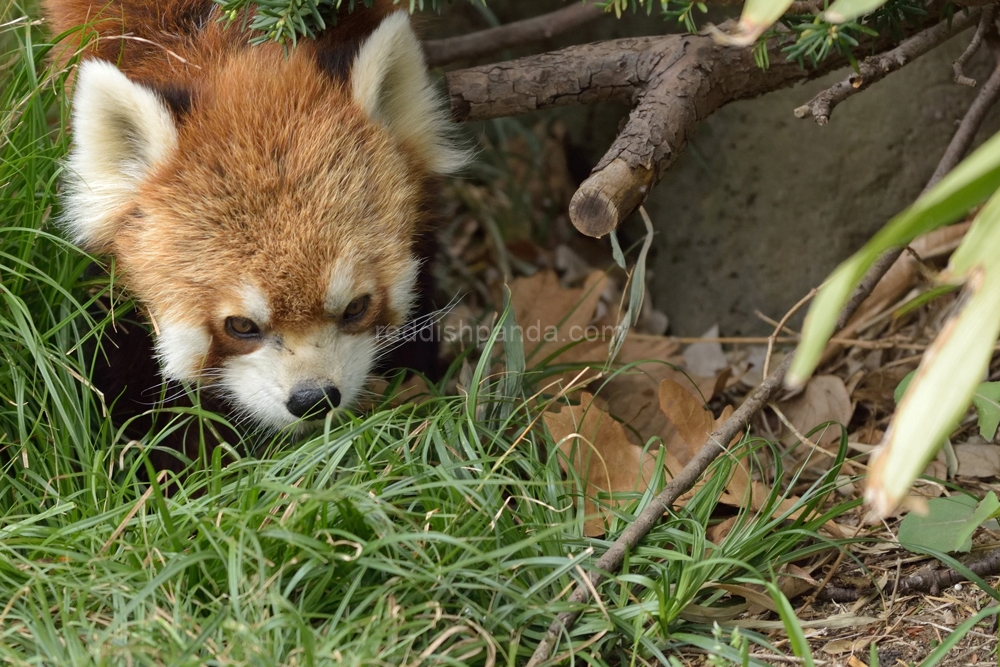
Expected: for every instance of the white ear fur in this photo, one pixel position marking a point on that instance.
(121, 130)
(389, 82)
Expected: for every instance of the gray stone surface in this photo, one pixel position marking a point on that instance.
(762, 205)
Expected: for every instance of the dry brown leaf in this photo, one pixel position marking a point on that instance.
(848, 645)
(551, 316)
(978, 460)
(688, 415)
(719, 531)
(596, 447)
(825, 399)
(753, 594)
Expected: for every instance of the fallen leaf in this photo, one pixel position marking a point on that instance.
(550, 316)
(978, 460)
(717, 533)
(840, 646)
(825, 399)
(601, 456)
(688, 415)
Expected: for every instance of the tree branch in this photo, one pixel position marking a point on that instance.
(875, 68)
(974, 117)
(984, 565)
(477, 44)
(674, 82)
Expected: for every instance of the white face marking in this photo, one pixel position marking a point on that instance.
(260, 383)
(181, 349)
(255, 305)
(340, 290)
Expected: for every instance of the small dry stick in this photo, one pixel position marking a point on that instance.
(612, 559)
(967, 129)
(781, 325)
(985, 23)
(875, 68)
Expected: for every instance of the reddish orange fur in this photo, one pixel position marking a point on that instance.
(265, 143)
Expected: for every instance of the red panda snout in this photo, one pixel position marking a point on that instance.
(276, 367)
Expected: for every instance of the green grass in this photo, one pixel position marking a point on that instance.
(435, 534)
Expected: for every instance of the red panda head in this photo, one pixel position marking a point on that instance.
(269, 232)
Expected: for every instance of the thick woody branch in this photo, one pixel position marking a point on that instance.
(484, 42)
(875, 68)
(673, 82)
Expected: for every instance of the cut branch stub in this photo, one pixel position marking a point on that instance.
(608, 196)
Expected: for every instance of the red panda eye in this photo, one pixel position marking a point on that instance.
(242, 327)
(355, 309)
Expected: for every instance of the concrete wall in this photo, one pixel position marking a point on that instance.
(763, 205)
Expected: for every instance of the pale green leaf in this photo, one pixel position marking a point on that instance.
(944, 528)
(938, 395)
(987, 402)
(757, 16)
(842, 11)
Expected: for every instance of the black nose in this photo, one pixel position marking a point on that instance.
(312, 401)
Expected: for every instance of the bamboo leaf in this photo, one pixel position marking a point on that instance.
(757, 16)
(842, 11)
(949, 375)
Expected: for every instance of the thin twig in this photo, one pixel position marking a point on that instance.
(612, 559)
(974, 117)
(781, 325)
(875, 68)
(985, 21)
(484, 42)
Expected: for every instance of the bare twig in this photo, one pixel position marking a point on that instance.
(875, 68)
(484, 42)
(781, 325)
(715, 445)
(922, 582)
(974, 117)
(985, 21)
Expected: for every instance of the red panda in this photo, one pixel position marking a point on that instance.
(265, 205)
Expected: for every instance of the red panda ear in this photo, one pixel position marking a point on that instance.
(389, 81)
(121, 130)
